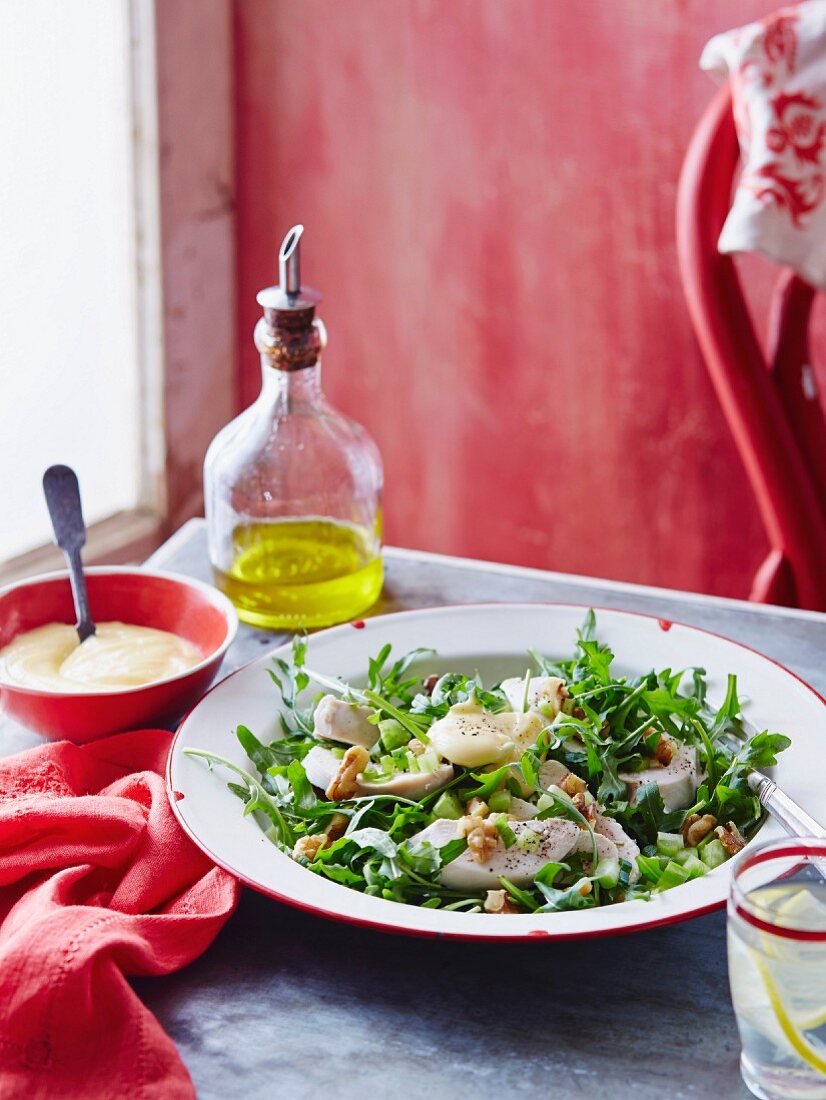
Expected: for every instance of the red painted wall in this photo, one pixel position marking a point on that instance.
(488, 188)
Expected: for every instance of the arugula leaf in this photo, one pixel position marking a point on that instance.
(761, 750)
(731, 704)
(588, 629)
(698, 685)
(363, 839)
(611, 786)
(598, 659)
(258, 798)
(558, 901)
(550, 872)
(489, 781)
(304, 798)
(452, 850)
(665, 703)
(529, 765)
(337, 872)
(422, 857)
(261, 755)
(391, 684)
(414, 724)
(291, 680)
(656, 819)
(522, 898)
(708, 752)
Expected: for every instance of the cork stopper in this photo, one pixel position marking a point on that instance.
(288, 334)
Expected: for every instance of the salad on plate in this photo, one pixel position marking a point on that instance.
(566, 788)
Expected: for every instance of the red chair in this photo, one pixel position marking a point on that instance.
(769, 400)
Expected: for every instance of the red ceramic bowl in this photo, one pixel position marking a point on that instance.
(193, 610)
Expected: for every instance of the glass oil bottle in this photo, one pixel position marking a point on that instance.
(292, 487)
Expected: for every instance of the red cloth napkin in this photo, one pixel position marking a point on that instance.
(97, 881)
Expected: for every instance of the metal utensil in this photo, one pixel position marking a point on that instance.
(62, 492)
(782, 808)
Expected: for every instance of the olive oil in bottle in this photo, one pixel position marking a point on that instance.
(292, 487)
(301, 573)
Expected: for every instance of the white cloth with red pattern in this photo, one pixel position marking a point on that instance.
(777, 69)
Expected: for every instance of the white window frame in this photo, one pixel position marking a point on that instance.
(183, 189)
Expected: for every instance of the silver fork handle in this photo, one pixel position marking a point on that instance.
(783, 809)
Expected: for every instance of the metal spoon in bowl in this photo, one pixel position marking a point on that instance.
(62, 493)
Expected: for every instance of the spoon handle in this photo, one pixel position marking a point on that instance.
(784, 809)
(62, 493)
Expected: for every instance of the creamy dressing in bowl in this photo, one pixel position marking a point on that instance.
(117, 656)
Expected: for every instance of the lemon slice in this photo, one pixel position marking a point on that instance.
(790, 908)
(809, 1055)
(795, 907)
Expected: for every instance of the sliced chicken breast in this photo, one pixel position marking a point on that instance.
(413, 785)
(556, 838)
(522, 810)
(321, 767)
(606, 848)
(551, 773)
(678, 780)
(546, 694)
(627, 848)
(348, 723)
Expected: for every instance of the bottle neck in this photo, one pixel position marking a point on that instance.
(288, 391)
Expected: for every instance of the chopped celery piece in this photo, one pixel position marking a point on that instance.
(544, 802)
(392, 734)
(373, 776)
(607, 872)
(428, 762)
(714, 854)
(505, 831)
(412, 761)
(338, 753)
(695, 867)
(650, 868)
(500, 802)
(668, 844)
(448, 805)
(388, 764)
(673, 875)
(685, 854)
(528, 841)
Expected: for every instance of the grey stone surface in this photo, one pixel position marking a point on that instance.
(287, 1004)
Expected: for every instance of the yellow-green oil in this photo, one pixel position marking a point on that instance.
(302, 573)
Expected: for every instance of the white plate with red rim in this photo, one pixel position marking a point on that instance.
(492, 638)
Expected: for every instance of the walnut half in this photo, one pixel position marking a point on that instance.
(587, 807)
(429, 684)
(482, 837)
(730, 837)
(696, 827)
(664, 752)
(309, 846)
(572, 785)
(498, 901)
(345, 782)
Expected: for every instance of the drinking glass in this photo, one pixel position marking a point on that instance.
(777, 967)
